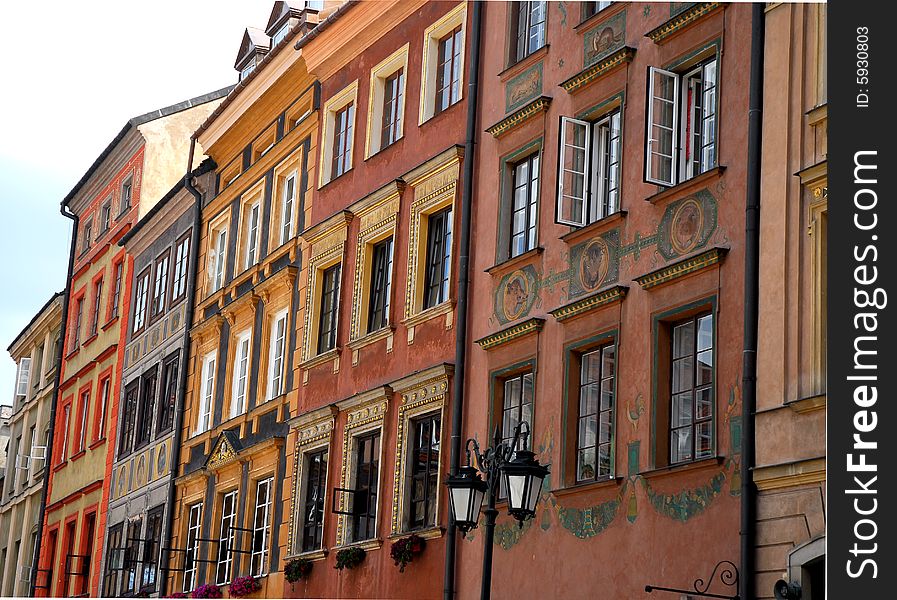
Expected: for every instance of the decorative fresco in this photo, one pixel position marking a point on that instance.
(603, 39)
(524, 87)
(679, 7)
(159, 334)
(516, 293)
(687, 503)
(687, 225)
(594, 263)
(141, 469)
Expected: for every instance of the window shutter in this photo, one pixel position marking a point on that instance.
(663, 116)
(573, 165)
(22, 378)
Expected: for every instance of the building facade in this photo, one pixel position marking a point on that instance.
(607, 289)
(791, 379)
(240, 390)
(34, 351)
(143, 469)
(137, 168)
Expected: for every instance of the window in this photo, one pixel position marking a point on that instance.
(327, 328)
(439, 257)
(76, 325)
(286, 211)
(87, 234)
(179, 274)
(106, 216)
(113, 551)
(151, 548)
(595, 424)
(125, 197)
(424, 478)
(241, 373)
(67, 426)
(160, 286)
(116, 290)
(95, 315)
(280, 34)
(252, 234)
(206, 393)
(313, 506)
(194, 521)
(140, 300)
(393, 103)
(246, 70)
(516, 405)
(681, 124)
(342, 140)
(593, 8)
(132, 555)
(448, 70)
(443, 63)
(22, 377)
(227, 538)
(148, 384)
(99, 428)
(381, 283)
(132, 393)
(524, 204)
(217, 258)
(691, 391)
(169, 395)
(88, 530)
(589, 177)
(529, 25)
(82, 420)
(277, 353)
(261, 527)
(364, 503)
(36, 381)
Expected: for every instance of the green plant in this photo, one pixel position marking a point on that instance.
(349, 558)
(296, 569)
(404, 549)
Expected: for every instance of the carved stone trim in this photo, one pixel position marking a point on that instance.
(589, 75)
(681, 268)
(511, 333)
(680, 21)
(527, 112)
(589, 303)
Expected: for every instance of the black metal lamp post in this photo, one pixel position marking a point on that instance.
(523, 476)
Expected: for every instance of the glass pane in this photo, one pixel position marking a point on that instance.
(683, 339)
(604, 460)
(585, 464)
(682, 409)
(705, 367)
(512, 392)
(683, 370)
(705, 333)
(704, 403)
(606, 427)
(608, 357)
(588, 399)
(587, 431)
(591, 367)
(680, 444)
(607, 394)
(704, 439)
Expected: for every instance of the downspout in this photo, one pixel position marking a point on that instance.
(182, 372)
(751, 312)
(48, 461)
(458, 379)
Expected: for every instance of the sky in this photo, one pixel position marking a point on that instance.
(79, 71)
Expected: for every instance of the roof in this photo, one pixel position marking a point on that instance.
(284, 9)
(274, 51)
(204, 167)
(33, 320)
(137, 121)
(255, 41)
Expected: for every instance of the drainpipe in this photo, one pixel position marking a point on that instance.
(182, 371)
(751, 313)
(48, 461)
(463, 283)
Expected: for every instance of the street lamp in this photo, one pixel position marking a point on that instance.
(523, 477)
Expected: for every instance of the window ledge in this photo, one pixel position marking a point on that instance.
(687, 185)
(599, 226)
(72, 353)
(90, 340)
(109, 323)
(370, 338)
(77, 455)
(380, 151)
(430, 313)
(521, 65)
(319, 359)
(429, 533)
(694, 465)
(507, 265)
(587, 486)
(807, 405)
(374, 544)
(97, 443)
(312, 555)
(338, 177)
(59, 466)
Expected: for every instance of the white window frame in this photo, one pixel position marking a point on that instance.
(23, 377)
(160, 285)
(262, 554)
(240, 384)
(252, 233)
(280, 34)
(277, 345)
(287, 206)
(339, 101)
(206, 392)
(218, 260)
(455, 17)
(194, 528)
(681, 169)
(593, 198)
(141, 298)
(227, 537)
(388, 67)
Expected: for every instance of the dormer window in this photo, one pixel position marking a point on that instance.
(280, 35)
(245, 71)
(253, 48)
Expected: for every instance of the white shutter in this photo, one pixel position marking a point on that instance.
(661, 148)
(573, 166)
(23, 376)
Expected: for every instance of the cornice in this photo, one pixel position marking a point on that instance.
(681, 268)
(681, 21)
(589, 303)
(511, 333)
(527, 112)
(589, 75)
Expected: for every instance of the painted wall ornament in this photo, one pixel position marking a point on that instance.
(516, 294)
(687, 225)
(523, 88)
(594, 264)
(605, 38)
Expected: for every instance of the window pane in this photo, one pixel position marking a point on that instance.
(683, 339)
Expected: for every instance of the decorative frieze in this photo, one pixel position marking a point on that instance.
(681, 268)
(511, 333)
